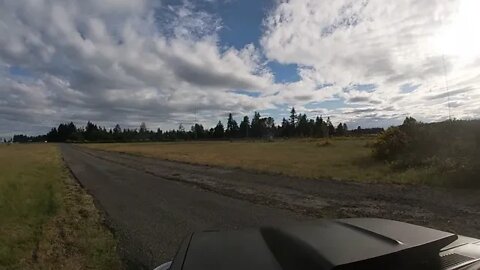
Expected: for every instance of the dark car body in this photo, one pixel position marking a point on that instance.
(363, 243)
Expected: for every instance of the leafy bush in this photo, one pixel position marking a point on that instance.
(390, 144)
(451, 147)
(407, 145)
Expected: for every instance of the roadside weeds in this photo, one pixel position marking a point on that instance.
(47, 220)
(76, 238)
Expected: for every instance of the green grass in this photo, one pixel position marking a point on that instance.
(47, 221)
(340, 158)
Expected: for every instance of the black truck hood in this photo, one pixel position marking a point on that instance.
(328, 244)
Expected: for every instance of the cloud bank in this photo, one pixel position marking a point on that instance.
(417, 54)
(122, 61)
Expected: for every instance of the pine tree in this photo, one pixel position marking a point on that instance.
(330, 128)
(198, 131)
(318, 132)
(219, 130)
(293, 117)
(293, 122)
(339, 131)
(244, 127)
(117, 129)
(232, 127)
(255, 126)
(302, 125)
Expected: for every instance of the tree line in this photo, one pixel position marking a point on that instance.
(297, 125)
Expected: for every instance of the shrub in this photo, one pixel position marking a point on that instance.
(390, 144)
(452, 148)
(408, 145)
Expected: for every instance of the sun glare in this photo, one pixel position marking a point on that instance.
(460, 38)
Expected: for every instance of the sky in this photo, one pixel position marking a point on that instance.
(165, 63)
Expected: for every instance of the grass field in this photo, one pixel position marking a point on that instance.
(47, 221)
(340, 158)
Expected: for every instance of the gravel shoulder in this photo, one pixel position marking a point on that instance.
(281, 198)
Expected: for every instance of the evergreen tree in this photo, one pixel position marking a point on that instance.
(117, 129)
(158, 136)
(198, 131)
(293, 123)
(91, 132)
(339, 131)
(285, 128)
(255, 126)
(66, 132)
(219, 130)
(52, 135)
(302, 125)
(232, 127)
(293, 117)
(318, 132)
(330, 128)
(311, 128)
(244, 127)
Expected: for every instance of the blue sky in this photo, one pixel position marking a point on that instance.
(242, 24)
(368, 63)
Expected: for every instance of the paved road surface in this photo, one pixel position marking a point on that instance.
(152, 204)
(152, 215)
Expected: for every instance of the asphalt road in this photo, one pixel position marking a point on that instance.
(151, 215)
(153, 204)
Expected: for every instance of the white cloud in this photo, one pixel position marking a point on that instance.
(122, 61)
(131, 61)
(386, 43)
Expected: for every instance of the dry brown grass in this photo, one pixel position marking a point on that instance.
(341, 158)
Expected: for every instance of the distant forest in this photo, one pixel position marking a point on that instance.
(297, 125)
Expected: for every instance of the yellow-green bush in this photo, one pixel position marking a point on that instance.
(452, 148)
